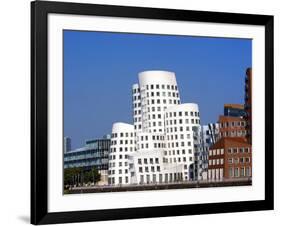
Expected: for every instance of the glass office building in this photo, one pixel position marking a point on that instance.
(93, 154)
(234, 110)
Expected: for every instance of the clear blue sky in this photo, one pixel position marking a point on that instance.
(100, 68)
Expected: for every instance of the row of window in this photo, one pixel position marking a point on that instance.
(151, 161)
(137, 105)
(178, 160)
(120, 171)
(216, 152)
(146, 169)
(163, 86)
(137, 112)
(137, 119)
(114, 142)
(232, 124)
(121, 149)
(114, 135)
(239, 160)
(162, 178)
(181, 136)
(180, 128)
(240, 150)
(112, 180)
(112, 157)
(120, 164)
(166, 101)
(180, 121)
(174, 152)
(213, 162)
(164, 94)
(180, 113)
(154, 137)
(234, 133)
(155, 145)
(178, 144)
(239, 172)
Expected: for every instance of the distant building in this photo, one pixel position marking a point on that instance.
(232, 126)
(93, 154)
(66, 144)
(204, 137)
(248, 103)
(229, 158)
(234, 110)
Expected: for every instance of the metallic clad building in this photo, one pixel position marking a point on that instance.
(93, 154)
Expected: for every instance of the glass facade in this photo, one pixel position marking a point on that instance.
(234, 112)
(93, 154)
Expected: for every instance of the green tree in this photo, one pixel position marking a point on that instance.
(72, 176)
(92, 176)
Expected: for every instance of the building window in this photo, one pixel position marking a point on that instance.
(248, 171)
(236, 172)
(230, 172)
(242, 172)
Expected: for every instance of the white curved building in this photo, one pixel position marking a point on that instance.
(161, 140)
(158, 91)
(180, 122)
(122, 145)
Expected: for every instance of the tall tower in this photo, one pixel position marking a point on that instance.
(158, 91)
(66, 144)
(248, 103)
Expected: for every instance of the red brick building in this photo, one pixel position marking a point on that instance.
(230, 158)
(232, 126)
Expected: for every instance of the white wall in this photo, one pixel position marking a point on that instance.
(14, 114)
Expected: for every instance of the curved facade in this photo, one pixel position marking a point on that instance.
(159, 146)
(122, 145)
(158, 91)
(180, 122)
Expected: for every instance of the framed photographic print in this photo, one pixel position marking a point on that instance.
(144, 112)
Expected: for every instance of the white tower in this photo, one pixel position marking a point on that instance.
(180, 122)
(122, 145)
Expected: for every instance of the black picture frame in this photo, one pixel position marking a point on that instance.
(39, 112)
